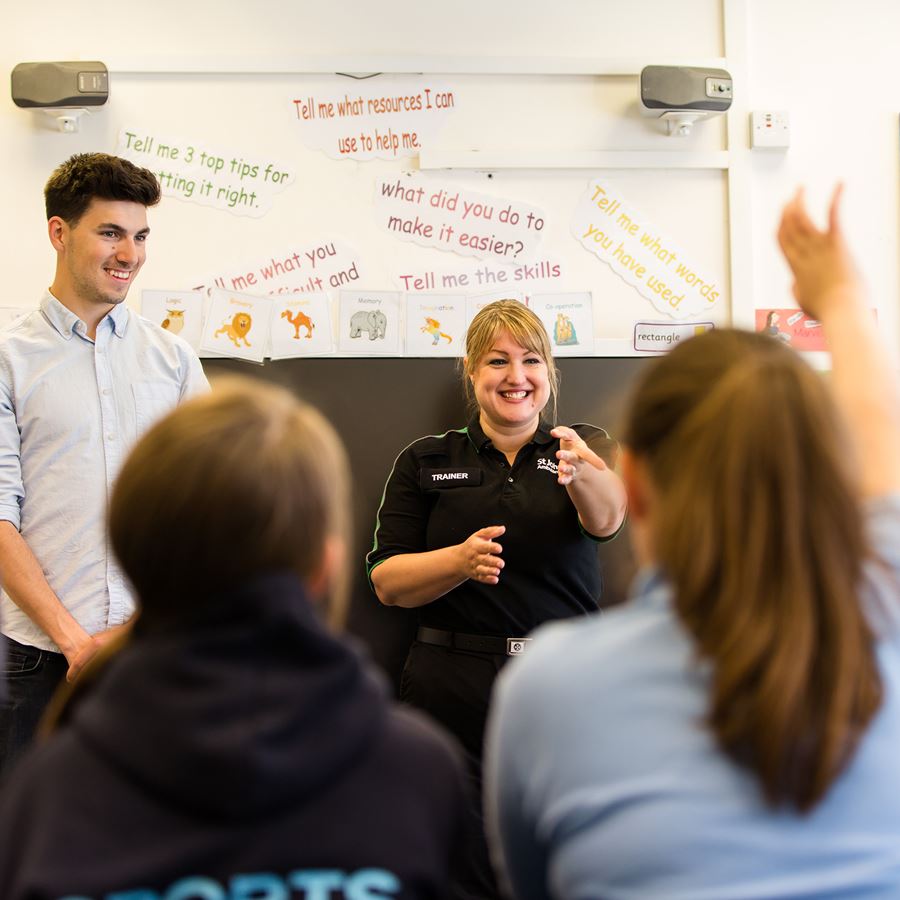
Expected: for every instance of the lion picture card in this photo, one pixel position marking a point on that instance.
(237, 325)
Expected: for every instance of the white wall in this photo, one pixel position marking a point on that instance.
(833, 66)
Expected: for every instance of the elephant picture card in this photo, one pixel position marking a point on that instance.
(237, 325)
(301, 326)
(435, 324)
(180, 312)
(569, 320)
(369, 323)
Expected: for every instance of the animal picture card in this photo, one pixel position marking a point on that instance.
(237, 325)
(569, 320)
(180, 312)
(369, 323)
(301, 326)
(475, 302)
(435, 324)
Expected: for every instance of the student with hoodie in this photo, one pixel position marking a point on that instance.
(233, 746)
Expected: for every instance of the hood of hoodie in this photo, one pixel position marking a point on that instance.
(241, 713)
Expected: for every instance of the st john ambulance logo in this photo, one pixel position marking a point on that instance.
(548, 465)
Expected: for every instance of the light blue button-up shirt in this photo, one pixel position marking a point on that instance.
(70, 409)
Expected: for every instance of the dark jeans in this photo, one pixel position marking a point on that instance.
(31, 675)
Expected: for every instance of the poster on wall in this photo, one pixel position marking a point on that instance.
(179, 312)
(437, 213)
(641, 254)
(237, 325)
(386, 117)
(435, 324)
(369, 323)
(195, 171)
(792, 326)
(301, 326)
(310, 266)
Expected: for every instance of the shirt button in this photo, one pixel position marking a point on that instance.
(510, 480)
(110, 437)
(106, 391)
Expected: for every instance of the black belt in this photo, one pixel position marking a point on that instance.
(474, 643)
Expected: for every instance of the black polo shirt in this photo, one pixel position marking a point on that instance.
(444, 488)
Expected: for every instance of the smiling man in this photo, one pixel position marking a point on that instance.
(80, 379)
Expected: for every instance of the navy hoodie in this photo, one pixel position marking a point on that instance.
(249, 755)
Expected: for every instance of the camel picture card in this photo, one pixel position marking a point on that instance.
(369, 323)
(237, 325)
(180, 312)
(569, 320)
(435, 324)
(301, 326)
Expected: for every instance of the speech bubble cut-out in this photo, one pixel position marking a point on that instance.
(641, 254)
(437, 214)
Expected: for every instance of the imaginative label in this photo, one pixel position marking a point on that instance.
(387, 117)
(641, 255)
(194, 171)
(435, 324)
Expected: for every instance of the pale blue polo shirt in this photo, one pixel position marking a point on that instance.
(603, 782)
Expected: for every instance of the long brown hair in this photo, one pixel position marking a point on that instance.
(760, 532)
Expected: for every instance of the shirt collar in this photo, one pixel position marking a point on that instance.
(480, 440)
(650, 588)
(66, 322)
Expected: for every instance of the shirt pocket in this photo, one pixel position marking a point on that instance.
(152, 400)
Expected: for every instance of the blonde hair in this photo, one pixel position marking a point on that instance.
(524, 327)
(241, 481)
(761, 534)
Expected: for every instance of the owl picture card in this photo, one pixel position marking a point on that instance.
(237, 325)
(179, 312)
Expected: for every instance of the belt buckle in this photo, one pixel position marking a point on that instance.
(516, 646)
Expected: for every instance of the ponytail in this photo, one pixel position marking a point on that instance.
(761, 535)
